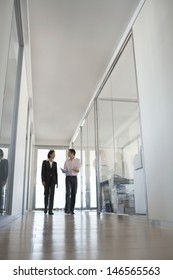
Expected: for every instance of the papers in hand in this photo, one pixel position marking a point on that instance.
(63, 170)
(67, 173)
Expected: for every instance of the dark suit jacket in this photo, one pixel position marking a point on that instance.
(3, 170)
(49, 174)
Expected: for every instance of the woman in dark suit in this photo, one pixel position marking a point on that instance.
(49, 178)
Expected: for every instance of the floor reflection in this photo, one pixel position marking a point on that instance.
(85, 235)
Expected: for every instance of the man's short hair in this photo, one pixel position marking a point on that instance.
(72, 151)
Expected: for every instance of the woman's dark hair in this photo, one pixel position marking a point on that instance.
(1, 153)
(50, 153)
(72, 151)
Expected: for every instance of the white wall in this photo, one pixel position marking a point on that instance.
(18, 185)
(6, 7)
(153, 42)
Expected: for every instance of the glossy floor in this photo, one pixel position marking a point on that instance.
(82, 236)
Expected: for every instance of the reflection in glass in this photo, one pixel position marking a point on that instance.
(118, 141)
(85, 140)
(8, 100)
(3, 180)
(88, 147)
(77, 147)
(119, 135)
(78, 203)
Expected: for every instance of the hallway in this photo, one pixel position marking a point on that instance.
(84, 236)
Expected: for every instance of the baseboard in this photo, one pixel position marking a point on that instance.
(160, 223)
(6, 219)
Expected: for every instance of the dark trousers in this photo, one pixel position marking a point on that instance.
(71, 190)
(49, 191)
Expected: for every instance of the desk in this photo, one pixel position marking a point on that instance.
(115, 195)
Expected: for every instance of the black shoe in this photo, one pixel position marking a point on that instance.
(67, 212)
(72, 213)
(51, 213)
(45, 211)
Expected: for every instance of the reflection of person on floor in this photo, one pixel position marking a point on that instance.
(3, 175)
(49, 178)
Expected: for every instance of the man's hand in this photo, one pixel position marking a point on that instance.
(76, 170)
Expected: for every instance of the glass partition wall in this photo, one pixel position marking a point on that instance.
(88, 148)
(84, 144)
(9, 111)
(79, 154)
(110, 141)
(119, 135)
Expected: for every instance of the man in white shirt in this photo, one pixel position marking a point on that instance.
(71, 169)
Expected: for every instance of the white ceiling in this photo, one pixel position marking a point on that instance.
(72, 42)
